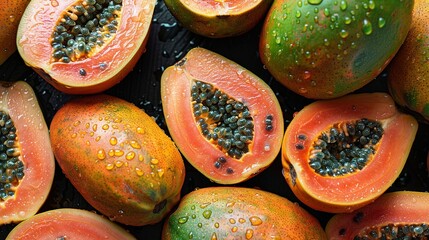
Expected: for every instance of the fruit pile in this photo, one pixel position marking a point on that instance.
(250, 119)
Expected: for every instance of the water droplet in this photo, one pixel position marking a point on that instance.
(119, 163)
(381, 22)
(216, 225)
(140, 130)
(326, 12)
(207, 214)
(130, 155)
(119, 153)
(54, 3)
(135, 144)
(255, 221)
(232, 220)
(182, 220)
(249, 233)
(139, 172)
(306, 75)
(200, 225)
(74, 135)
(343, 5)
(109, 166)
(105, 127)
(113, 141)
(241, 220)
(154, 161)
(204, 205)
(344, 33)
(214, 237)
(298, 14)
(315, 2)
(302, 90)
(367, 27)
(101, 154)
(371, 5)
(347, 20)
(94, 127)
(161, 172)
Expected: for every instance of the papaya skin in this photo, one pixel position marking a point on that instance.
(68, 222)
(219, 19)
(329, 49)
(20, 102)
(402, 207)
(10, 14)
(347, 192)
(408, 73)
(238, 83)
(240, 213)
(104, 69)
(118, 158)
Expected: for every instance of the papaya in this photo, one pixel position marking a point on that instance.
(395, 215)
(68, 223)
(214, 106)
(225, 212)
(408, 73)
(84, 46)
(341, 154)
(118, 158)
(220, 18)
(10, 15)
(27, 164)
(327, 49)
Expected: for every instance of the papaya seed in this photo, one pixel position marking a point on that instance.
(224, 121)
(390, 231)
(83, 27)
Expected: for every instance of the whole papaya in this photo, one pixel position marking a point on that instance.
(325, 49)
(118, 158)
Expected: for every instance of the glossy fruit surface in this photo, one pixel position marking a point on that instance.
(343, 153)
(118, 158)
(240, 213)
(326, 49)
(408, 76)
(88, 64)
(396, 215)
(10, 15)
(27, 163)
(218, 19)
(210, 104)
(68, 223)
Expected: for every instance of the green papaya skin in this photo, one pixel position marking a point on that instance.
(324, 49)
(239, 213)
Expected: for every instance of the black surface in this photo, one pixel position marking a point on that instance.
(168, 43)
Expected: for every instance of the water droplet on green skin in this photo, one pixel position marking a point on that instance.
(315, 2)
(343, 5)
(182, 220)
(207, 214)
(344, 33)
(367, 27)
(381, 22)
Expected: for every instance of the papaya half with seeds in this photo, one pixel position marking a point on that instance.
(341, 154)
(68, 223)
(395, 215)
(84, 46)
(10, 15)
(118, 158)
(27, 164)
(225, 120)
(327, 49)
(408, 73)
(239, 213)
(218, 18)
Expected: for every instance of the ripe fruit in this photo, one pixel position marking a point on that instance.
(326, 49)
(27, 164)
(218, 19)
(216, 107)
(240, 213)
(341, 154)
(68, 223)
(86, 46)
(118, 158)
(408, 75)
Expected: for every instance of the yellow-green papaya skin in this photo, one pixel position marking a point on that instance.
(240, 213)
(118, 158)
(408, 73)
(324, 49)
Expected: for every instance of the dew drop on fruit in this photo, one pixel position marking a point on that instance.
(381, 22)
(249, 233)
(367, 27)
(315, 2)
(255, 221)
(182, 220)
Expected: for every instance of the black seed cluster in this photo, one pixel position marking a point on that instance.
(11, 168)
(396, 232)
(83, 27)
(222, 120)
(345, 147)
(269, 122)
(220, 162)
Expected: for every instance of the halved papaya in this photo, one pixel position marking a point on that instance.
(10, 15)
(84, 46)
(225, 120)
(68, 223)
(341, 154)
(395, 215)
(219, 19)
(27, 163)
(240, 213)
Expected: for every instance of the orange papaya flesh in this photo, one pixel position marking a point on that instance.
(86, 46)
(10, 15)
(394, 215)
(27, 163)
(240, 213)
(118, 159)
(348, 174)
(68, 223)
(239, 130)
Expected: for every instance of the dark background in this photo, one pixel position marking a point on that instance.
(168, 43)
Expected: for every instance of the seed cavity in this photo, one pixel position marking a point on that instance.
(224, 121)
(395, 231)
(345, 147)
(11, 167)
(84, 28)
